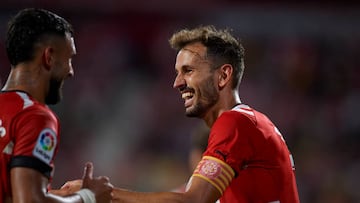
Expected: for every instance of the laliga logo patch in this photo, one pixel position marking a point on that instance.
(45, 145)
(210, 169)
(47, 141)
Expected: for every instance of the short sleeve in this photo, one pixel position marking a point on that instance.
(229, 140)
(35, 133)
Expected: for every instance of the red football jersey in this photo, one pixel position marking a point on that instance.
(28, 136)
(253, 147)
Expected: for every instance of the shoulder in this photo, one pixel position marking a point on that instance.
(241, 113)
(18, 104)
(21, 106)
(38, 114)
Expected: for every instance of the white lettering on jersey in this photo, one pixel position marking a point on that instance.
(45, 145)
(2, 130)
(9, 147)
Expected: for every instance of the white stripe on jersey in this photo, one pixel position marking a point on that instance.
(242, 108)
(26, 99)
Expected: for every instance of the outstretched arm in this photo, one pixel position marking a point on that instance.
(29, 185)
(200, 191)
(209, 181)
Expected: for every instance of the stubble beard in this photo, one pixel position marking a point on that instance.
(206, 99)
(54, 95)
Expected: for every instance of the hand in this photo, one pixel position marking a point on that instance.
(100, 186)
(71, 187)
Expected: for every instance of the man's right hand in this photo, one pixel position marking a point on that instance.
(100, 186)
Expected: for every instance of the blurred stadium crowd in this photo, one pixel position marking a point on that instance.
(121, 112)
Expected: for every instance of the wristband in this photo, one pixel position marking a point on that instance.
(86, 195)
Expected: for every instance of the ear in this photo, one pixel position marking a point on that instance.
(48, 57)
(225, 75)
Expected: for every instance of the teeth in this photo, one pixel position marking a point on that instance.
(186, 95)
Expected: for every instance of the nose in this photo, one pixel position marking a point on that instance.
(179, 82)
(71, 72)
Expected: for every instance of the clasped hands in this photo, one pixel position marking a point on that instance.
(99, 186)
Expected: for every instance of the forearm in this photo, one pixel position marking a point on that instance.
(199, 191)
(49, 198)
(125, 196)
(58, 199)
(59, 192)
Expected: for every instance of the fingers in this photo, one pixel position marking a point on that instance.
(88, 171)
(104, 178)
(71, 187)
(100, 186)
(65, 186)
(72, 183)
(88, 178)
(105, 181)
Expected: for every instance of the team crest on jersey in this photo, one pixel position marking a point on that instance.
(45, 145)
(210, 169)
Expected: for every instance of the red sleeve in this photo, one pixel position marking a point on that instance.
(229, 140)
(36, 136)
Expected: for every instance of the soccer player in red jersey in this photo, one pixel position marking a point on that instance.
(40, 46)
(247, 159)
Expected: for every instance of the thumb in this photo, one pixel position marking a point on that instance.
(88, 171)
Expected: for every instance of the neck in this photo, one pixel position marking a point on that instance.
(225, 103)
(24, 79)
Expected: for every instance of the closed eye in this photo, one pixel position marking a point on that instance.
(184, 70)
(188, 70)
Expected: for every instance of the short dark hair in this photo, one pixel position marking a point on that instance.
(221, 46)
(27, 28)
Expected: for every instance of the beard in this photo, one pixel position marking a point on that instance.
(207, 97)
(54, 95)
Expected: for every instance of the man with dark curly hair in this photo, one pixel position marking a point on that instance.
(40, 46)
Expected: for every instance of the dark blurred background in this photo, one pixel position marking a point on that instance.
(121, 112)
